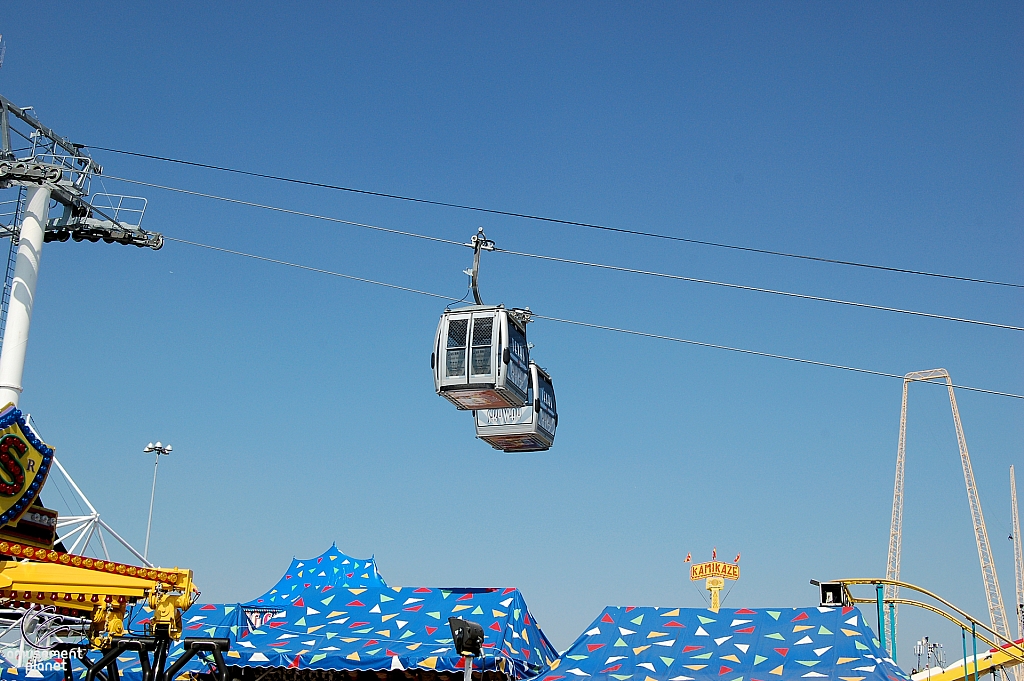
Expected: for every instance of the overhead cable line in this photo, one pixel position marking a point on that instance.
(527, 216)
(742, 287)
(616, 268)
(312, 269)
(287, 211)
(602, 327)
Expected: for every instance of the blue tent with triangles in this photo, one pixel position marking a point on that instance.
(331, 568)
(696, 644)
(390, 628)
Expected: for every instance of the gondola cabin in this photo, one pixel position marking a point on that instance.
(480, 358)
(530, 428)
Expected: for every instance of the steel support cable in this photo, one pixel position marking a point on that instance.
(643, 334)
(310, 269)
(287, 211)
(677, 277)
(757, 289)
(573, 223)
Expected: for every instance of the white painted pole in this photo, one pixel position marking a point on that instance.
(152, 496)
(23, 292)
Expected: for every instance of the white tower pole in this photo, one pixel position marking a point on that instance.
(23, 292)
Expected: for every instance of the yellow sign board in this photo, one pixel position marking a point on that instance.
(24, 464)
(714, 568)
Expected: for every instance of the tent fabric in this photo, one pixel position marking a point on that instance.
(691, 644)
(395, 628)
(331, 568)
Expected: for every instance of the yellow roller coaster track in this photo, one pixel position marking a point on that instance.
(1003, 652)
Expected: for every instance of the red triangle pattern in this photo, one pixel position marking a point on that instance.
(690, 649)
(801, 616)
(608, 618)
(782, 651)
(430, 630)
(673, 623)
(748, 630)
(298, 603)
(745, 611)
(594, 646)
(724, 670)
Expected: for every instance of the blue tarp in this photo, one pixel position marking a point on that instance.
(389, 628)
(691, 644)
(332, 568)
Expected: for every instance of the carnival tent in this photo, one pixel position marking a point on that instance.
(392, 628)
(690, 644)
(331, 568)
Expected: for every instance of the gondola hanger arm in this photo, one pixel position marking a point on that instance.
(479, 242)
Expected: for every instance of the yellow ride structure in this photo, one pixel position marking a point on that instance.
(95, 594)
(1002, 653)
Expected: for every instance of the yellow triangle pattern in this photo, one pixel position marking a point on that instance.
(777, 671)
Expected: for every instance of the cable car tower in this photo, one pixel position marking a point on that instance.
(993, 594)
(481, 362)
(44, 166)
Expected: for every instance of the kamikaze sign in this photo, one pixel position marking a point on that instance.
(715, 568)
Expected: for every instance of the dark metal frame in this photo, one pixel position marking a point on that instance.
(105, 668)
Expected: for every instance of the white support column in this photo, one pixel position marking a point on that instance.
(23, 292)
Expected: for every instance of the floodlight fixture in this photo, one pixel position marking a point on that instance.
(467, 636)
(832, 595)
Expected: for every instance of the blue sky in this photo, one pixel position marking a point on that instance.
(301, 407)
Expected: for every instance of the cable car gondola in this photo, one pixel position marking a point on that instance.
(480, 358)
(530, 428)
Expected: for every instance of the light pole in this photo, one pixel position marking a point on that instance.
(159, 448)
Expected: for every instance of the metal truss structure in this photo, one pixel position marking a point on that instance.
(990, 580)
